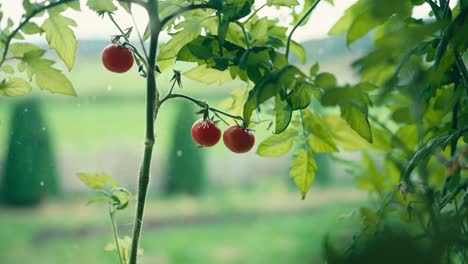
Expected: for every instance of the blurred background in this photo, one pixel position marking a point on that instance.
(206, 205)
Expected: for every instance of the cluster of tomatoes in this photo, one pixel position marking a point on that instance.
(204, 132)
(236, 138)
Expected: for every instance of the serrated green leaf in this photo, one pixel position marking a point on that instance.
(54, 81)
(15, 87)
(97, 181)
(357, 120)
(60, 37)
(344, 135)
(319, 137)
(101, 6)
(207, 75)
(302, 170)
(278, 144)
(191, 30)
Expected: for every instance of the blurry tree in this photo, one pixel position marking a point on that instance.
(185, 170)
(30, 168)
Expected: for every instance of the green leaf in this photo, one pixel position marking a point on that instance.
(299, 50)
(344, 135)
(191, 30)
(319, 137)
(97, 181)
(288, 3)
(60, 37)
(283, 114)
(97, 200)
(356, 117)
(8, 69)
(54, 81)
(423, 153)
(101, 6)
(31, 28)
(325, 80)
(208, 75)
(302, 170)
(278, 144)
(14, 87)
(314, 69)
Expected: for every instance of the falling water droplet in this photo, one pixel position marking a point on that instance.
(180, 153)
(109, 87)
(41, 183)
(44, 129)
(25, 110)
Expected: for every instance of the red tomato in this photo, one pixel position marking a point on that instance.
(117, 59)
(206, 133)
(238, 139)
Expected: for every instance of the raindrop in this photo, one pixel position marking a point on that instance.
(25, 110)
(41, 183)
(109, 87)
(180, 153)
(44, 129)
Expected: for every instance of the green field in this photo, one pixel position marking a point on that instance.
(273, 228)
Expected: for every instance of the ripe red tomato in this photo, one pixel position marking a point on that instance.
(238, 139)
(206, 133)
(117, 58)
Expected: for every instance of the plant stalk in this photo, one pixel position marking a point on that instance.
(299, 23)
(152, 109)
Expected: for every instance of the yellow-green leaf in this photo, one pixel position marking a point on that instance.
(97, 181)
(303, 169)
(54, 81)
(191, 30)
(15, 87)
(278, 144)
(60, 37)
(357, 120)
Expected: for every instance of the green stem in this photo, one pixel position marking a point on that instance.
(303, 18)
(247, 42)
(463, 71)
(133, 49)
(255, 13)
(201, 104)
(152, 109)
(116, 236)
(10, 37)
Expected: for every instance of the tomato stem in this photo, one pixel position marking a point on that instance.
(202, 104)
(152, 108)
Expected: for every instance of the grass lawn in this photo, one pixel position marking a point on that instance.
(272, 228)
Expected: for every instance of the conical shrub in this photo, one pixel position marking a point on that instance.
(29, 166)
(186, 168)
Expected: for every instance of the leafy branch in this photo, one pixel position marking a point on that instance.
(31, 15)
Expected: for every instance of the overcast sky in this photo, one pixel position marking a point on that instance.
(90, 26)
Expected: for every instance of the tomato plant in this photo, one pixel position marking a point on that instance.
(206, 133)
(238, 139)
(416, 74)
(117, 58)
